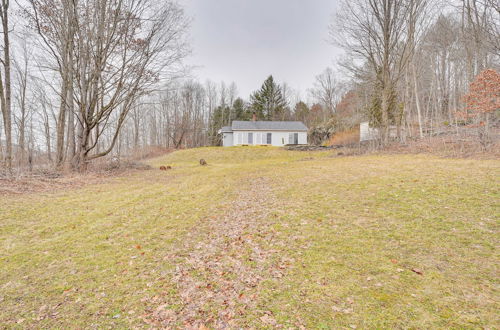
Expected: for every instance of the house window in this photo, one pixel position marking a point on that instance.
(250, 138)
(269, 138)
(293, 138)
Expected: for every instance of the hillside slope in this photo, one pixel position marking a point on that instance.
(261, 237)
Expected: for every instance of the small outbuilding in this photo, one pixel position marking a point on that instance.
(274, 133)
(368, 133)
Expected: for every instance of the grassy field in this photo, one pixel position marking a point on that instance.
(262, 238)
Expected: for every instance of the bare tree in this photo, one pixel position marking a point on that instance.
(22, 71)
(373, 32)
(232, 92)
(5, 84)
(327, 91)
(55, 23)
(418, 21)
(109, 54)
(46, 115)
(211, 94)
(480, 27)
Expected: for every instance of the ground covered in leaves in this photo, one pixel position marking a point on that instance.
(260, 237)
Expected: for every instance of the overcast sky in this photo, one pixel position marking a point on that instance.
(246, 40)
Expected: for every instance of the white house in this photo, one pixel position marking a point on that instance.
(275, 133)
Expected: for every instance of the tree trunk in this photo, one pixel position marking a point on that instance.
(386, 107)
(22, 143)
(1, 144)
(66, 105)
(417, 101)
(81, 160)
(71, 124)
(5, 87)
(47, 141)
(61, 121)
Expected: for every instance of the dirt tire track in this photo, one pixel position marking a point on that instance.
(220, 264)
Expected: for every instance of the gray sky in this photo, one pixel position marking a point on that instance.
(246, 40)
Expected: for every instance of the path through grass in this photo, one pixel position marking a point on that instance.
(332, 242)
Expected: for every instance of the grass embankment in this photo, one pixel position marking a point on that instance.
(356, 232)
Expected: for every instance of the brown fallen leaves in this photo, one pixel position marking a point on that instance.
(268, 319)
(221, 264)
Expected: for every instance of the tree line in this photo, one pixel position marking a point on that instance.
(81, 67)
(188, 113)
(84, 79)
(93, 78)
(412, 61)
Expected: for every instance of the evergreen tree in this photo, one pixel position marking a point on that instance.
(302, 112)
(268, 103)
(240, 111)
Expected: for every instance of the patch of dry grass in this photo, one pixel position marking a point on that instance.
(362, 228)
(347, 233)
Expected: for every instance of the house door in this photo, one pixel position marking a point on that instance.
(250, 138)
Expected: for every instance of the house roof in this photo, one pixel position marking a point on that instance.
(268, 126)
(226, 129)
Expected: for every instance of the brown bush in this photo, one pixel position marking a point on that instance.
(345, 138)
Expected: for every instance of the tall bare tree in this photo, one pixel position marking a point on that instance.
(327, 91)
(373, 32)
(22, 72)
(384, 37)
(55, 23)
(109, 53)
(5, 84)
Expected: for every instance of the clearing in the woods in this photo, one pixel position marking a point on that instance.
(260, 237)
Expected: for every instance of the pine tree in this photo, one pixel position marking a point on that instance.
(268, 103)
(302, 112)
(240, 112)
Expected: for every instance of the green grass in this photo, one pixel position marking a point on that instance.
(354, 227)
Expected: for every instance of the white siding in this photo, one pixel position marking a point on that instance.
(278, 138)
(367, 133)
(302, 137)
(227, 139)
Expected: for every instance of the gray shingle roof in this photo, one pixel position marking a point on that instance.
(268, 125)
